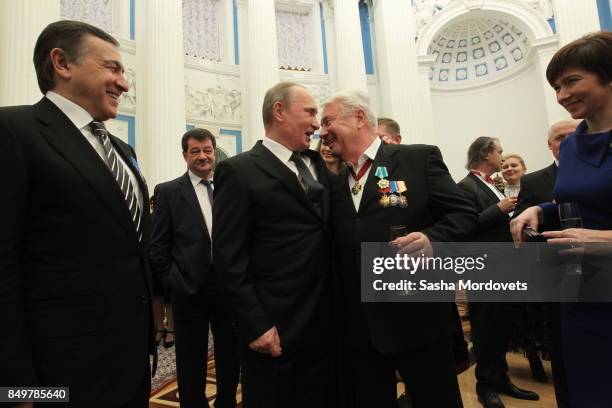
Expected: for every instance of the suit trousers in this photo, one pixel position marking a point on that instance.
(428, 372)
(301, 380)
(192, 316)
(489, 323)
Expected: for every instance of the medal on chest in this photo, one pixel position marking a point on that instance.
(357, 176)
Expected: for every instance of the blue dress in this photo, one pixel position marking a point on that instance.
(585, 178)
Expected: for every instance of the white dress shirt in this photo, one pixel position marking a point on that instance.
(203, 200)
(369, 153)
(284, 155)
(81, 119)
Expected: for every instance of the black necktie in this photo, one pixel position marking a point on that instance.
(120, 173)
(312, 187)
(209, 190)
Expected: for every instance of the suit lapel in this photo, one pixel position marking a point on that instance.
(481, 184)
(269, 163)
(371, 196)
(70, 143)
(344, 193)
(191, 198)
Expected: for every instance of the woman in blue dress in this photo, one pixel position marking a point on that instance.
(581, 75)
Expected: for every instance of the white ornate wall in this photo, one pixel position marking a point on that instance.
(485, 88)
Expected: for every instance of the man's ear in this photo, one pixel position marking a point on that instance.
(361, 118)
(60, 63)
(398, 138)
(277, 111)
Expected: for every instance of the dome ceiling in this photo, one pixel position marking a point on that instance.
(476, 49)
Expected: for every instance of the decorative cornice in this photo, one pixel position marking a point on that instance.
(212, 67)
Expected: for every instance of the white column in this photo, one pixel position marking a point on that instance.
(317, 38)
(330, 42)
(544, 50)
(401, 93)
(349, 47)
(21, 21)
(258, 62)
(575, 18)
(427, 116)
(160, 111)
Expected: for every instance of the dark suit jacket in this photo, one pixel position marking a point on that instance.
(493, 224)
(436, 207)
(273, 254)
(75, 283)
(536, 188)
(180, 243)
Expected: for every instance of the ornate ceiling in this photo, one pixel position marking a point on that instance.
(476, 49)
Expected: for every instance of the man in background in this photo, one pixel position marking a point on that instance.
(388, 131)
(181, 255)
(490, 320)
(75, 283)
(537, 188)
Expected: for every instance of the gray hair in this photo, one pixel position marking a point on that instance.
(478, 150)
(350, 101)
(562, 124)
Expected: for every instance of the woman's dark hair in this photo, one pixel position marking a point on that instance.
(592, 53)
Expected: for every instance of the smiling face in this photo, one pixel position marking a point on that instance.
(200, 157)
(95, 81)
(327, 155)
(298, 120)
(512, 170)
(340, 132)
(582, 94)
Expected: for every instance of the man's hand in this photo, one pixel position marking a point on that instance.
(413, 244)
(267, 343)
(507, 205)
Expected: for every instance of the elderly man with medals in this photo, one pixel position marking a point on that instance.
(384, 186)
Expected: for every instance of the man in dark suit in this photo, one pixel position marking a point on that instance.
(413, 338)
(537, 188)
(273, 254)
(180, 254)
(75, 284)
(489, 321)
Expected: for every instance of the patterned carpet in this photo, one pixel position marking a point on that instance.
(164, 390)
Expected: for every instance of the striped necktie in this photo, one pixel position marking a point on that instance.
(120, 173)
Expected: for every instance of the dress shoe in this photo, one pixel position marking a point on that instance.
(515, 392)
(537, 370)
(490, 399)
(169, 343)
(159, 336)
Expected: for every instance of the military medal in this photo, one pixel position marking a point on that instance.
(401, 188)
(357, 186)
(384, 187)
(385, 201)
